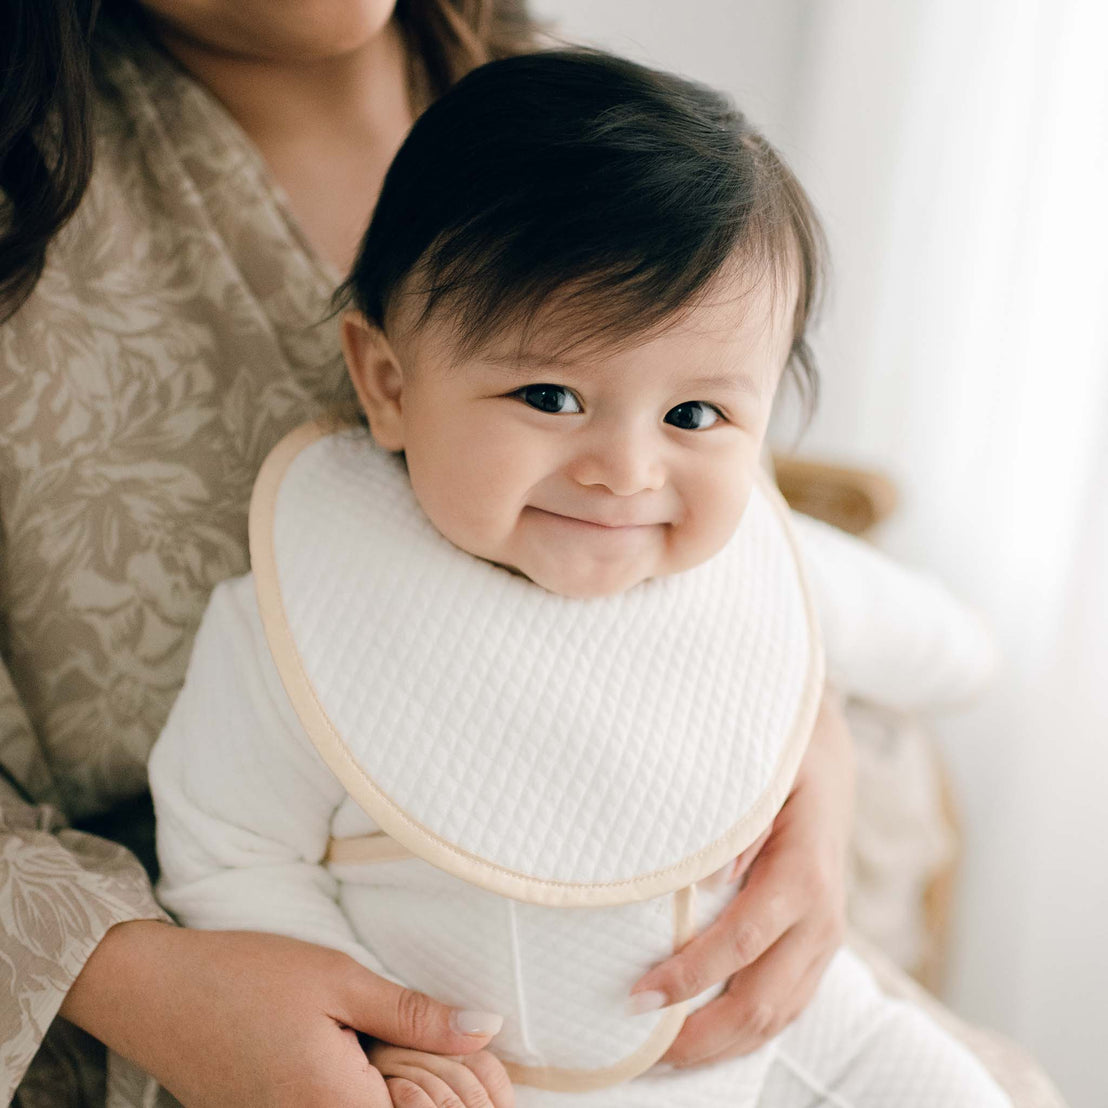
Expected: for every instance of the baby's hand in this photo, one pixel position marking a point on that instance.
(417, 1079)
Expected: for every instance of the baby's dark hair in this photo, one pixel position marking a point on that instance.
(583, 185)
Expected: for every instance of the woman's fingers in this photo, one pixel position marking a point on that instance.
(773, 941)
(382, 1009)
(738, 865)
(796, 878)
(758, 1003)
(750, 924)
(744, 861)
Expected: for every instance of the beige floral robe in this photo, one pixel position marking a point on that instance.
(179, 331)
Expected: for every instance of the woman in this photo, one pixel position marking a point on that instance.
(172, 338)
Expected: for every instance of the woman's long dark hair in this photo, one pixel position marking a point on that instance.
(45, 132)
(47, 52)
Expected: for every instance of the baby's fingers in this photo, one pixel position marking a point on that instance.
(415, 1087)
(490, 1071)
(445, 1081)
(408, 1094)
(458, 1090)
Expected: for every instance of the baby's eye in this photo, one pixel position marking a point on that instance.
(550, 398)
(694, 415)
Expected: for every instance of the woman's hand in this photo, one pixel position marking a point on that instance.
(417, 1079)
(238, 1017)
(774, 940)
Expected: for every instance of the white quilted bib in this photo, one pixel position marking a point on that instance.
(563, 753)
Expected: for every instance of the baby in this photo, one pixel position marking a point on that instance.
(514, 675)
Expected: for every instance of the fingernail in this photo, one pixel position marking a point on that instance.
(475, 1023)
(650, 1000)
(663, 1067)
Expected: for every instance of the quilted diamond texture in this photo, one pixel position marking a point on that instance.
(585, 741)
(559, 976)
(441, 936)
(577, 968)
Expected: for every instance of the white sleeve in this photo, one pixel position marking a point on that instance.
(242, 799)
(892, 635)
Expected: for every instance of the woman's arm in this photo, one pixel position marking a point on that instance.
(217, 1017)
(893, 636)
(60, 892)
(238, 1018)
(244, 806)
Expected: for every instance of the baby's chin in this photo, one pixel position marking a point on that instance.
(580, 586)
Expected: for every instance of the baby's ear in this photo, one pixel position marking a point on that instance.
(377, 378)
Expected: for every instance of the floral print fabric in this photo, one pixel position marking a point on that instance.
(180, 329)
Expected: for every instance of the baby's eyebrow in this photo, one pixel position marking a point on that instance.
(526, 361)
(738, 381)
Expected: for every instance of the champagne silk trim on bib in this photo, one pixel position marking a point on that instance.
(360, 850)
(395, 822)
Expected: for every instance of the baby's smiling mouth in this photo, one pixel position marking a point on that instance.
(614, 524)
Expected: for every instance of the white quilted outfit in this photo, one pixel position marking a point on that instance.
(506, 798)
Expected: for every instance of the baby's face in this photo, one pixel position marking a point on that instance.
(589, 475)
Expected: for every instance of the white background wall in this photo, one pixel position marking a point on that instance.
(748, 47)
(960, 340)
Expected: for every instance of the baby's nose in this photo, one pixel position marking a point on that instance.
(623, 462)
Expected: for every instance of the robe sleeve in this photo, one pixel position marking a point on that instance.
(60, 892)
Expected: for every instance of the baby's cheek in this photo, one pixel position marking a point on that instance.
(714, 511)
(466, 505)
